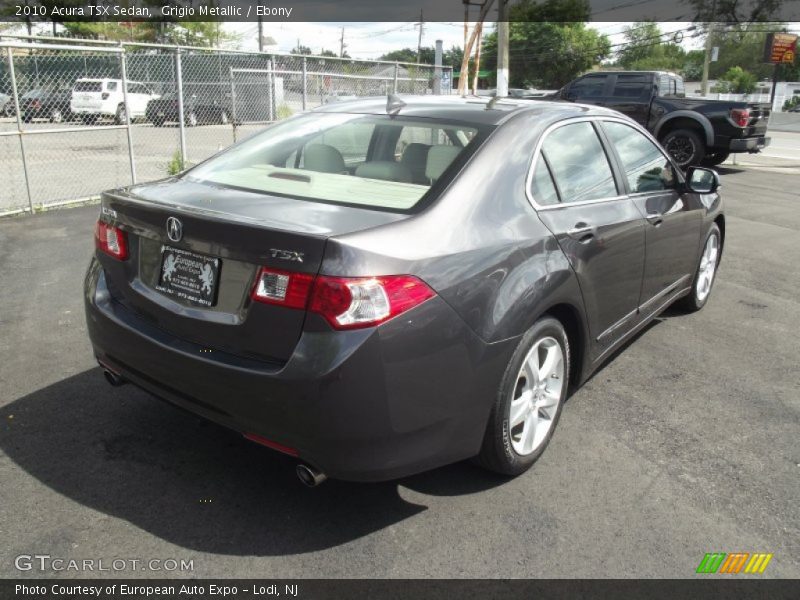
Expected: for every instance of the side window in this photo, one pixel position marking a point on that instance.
(111, 86)
(543, 189)
(646, 167)
(579, 163)
(631, 86)
(591, 86)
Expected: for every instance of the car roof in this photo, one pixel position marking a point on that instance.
(469, 109)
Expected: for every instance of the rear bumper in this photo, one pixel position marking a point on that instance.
(362, 405)
(751, 144)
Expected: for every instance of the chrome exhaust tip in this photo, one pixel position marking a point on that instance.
(114, 379)
(310, 476)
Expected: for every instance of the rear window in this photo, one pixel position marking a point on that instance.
(374, 161)
(88, 86)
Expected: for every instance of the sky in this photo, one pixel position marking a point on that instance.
(371, 40)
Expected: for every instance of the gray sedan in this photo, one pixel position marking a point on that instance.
(383, 287)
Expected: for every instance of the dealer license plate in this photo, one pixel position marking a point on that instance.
(189, 276)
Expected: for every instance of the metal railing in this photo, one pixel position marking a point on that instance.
(78, 118)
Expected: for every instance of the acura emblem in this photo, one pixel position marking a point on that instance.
(174, 229)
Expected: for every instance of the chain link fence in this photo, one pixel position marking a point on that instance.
(78, 119)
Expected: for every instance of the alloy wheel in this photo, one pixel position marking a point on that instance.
(536, 396)
(681, 149)
(708, 267)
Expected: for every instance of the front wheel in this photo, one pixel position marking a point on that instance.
(685, 146)
(223, 118)
(529, 400)
(56, 116)
(706, 271)
(191, 119)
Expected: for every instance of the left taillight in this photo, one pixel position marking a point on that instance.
(111, 240)
(345, 302)
(740, 116)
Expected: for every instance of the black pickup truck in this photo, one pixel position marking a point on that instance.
(693, 130)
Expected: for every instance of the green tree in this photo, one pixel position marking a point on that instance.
(427, 55)
(549, 43)
(647, 49)
(738, 81)
(300, 49)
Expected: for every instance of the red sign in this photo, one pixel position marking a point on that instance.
(780, 48)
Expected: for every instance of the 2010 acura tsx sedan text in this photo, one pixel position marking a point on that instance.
(383, 287)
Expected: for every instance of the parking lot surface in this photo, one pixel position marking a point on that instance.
(686, 442)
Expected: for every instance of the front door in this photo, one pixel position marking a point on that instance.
(674, 220)
(599, 229)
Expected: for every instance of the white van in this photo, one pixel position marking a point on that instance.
(95, 98)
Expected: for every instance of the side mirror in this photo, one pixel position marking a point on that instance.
(701, 180)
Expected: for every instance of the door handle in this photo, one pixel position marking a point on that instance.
(655, 219)
(581, 232)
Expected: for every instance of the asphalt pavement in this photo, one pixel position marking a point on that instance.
(686, 442)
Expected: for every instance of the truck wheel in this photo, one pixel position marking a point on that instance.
(715, 158)
(121, 118)
(685, 146)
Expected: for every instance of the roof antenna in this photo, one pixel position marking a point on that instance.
(490, 104)
(393, 104)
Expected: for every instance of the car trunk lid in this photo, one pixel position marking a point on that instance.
(234, 233)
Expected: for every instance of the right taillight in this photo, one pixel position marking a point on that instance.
(111, 240)
(345, 302)
(740, 116)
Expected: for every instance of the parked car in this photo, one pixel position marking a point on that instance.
(693, 130)
(795, 108)
(338, 96)
(197, 109)
(6, 105)
(45, 103)
(93, 99)
(300, 288)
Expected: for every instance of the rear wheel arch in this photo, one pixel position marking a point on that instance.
(694, 123)
(570, 318)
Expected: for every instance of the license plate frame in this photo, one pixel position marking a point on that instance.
(183, 274)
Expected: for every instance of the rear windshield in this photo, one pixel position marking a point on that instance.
(88, 86)
(375, 161)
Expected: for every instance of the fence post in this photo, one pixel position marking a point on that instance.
(272, 103)
(233, 104)
(305, 83)
(128, 118)
(181, 114)
(20, 132)
(396, 72)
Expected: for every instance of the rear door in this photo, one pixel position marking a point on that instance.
(631, 94)
(575, 191)
(674, 220)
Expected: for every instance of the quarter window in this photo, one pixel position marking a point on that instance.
(579, 164)
(542, 188)
(591, 86)
(646, 167)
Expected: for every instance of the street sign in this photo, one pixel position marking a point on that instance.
(780, 48)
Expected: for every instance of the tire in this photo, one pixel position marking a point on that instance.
(223, 118)
(56, 116)
(8, 109)
(89, 119)
(685, 146)
(703, 280)
(121, 117)
(715, 158)
(191, 119)
(504, 448)
(158, 122)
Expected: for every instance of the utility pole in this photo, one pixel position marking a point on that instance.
(502, 49)
(260, 34)
(709, 41)
(342, 45)
(421, 26)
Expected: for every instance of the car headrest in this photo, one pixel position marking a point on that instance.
(385, 169)
(439, 158)
(415, 155)
(323, 159)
